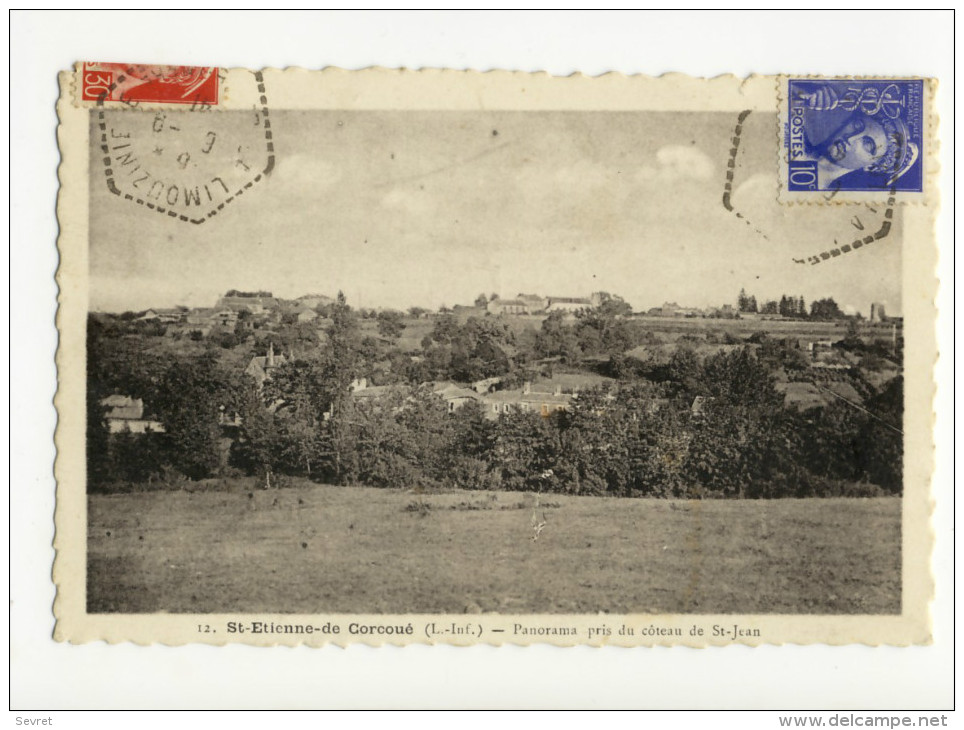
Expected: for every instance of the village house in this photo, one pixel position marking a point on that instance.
(224, 317)
(486, 384)
(126, 415)
(164, 316)
(699, 406)
(672, 309)
(260, 368)
(526, 400)
(202, 319)
(454, 395)
(305, 314)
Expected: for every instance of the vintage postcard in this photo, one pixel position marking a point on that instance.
(401, 357)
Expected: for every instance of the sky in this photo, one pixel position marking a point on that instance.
(404, 208)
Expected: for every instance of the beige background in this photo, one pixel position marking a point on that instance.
(881, 670)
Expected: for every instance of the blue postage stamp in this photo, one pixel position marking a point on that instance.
(855, 134)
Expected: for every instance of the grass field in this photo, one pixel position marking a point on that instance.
(323, 549)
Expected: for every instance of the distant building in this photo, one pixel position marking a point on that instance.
(672, 309)
(256, 303)
(877, 312)
(534, 303)
(171, 316)
(568, 304)
(817, 346)
(507, 306)
(200, 316)
(315, 300)
(203, 318)
(126, 415)
(225, 317)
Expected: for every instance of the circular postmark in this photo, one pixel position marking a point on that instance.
(857, 226)
(186, 163)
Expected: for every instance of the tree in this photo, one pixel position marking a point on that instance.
(481, 301)
(191, 397)
(338, 368)
(684, 371)
(557, 339)
(259, 444)
(390, 324)
(299, 398)
(880, 443)
(446, 329)
(526, 451)
(98, 460)
(739, 378)
(785, 308)
(613, 305)
(825, 309)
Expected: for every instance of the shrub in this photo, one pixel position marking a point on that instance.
(470, 473)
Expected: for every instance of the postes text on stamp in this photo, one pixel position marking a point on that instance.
(855, 135)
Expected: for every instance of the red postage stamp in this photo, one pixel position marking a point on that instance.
(147, 83)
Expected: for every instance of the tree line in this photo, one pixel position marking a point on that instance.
(789, 306)
(693, 428)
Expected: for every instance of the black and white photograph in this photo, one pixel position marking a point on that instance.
(536, 371)
(473, 362)
(405, 382)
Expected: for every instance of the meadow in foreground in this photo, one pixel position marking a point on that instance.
(324, 549)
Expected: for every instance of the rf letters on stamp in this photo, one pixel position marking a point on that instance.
(449, 357)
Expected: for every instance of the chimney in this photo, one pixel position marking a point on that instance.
(270, 361)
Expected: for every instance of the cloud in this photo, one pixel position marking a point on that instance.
(676, 162)
(403, 200)
(305, 172)
(758, 189)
